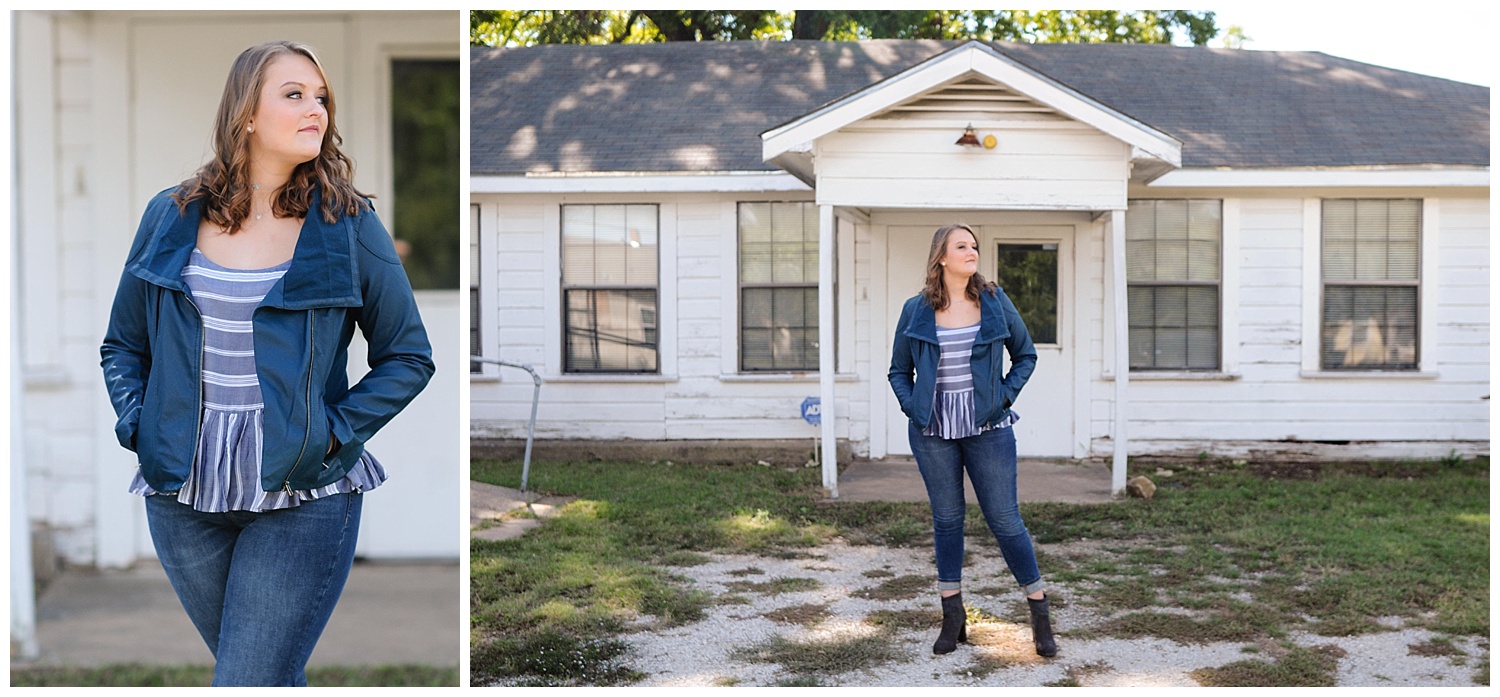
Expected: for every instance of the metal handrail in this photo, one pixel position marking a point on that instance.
(536, 396)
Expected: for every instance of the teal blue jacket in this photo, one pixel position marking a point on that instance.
(915, 349)
(343, 275)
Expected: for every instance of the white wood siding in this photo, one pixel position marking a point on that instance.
(1041, 166)
(1270, 397)
(698, 394)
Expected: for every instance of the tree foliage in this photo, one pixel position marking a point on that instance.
(530, 27)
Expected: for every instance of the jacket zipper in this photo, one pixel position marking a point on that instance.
(312, 328)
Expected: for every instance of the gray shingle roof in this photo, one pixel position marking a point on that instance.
(701, 106)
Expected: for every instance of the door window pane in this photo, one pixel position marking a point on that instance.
(424, 139)
(1028, 275)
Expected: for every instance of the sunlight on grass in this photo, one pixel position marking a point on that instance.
(757, 521)
(761, 529)
(1474, 518)
(586, 509)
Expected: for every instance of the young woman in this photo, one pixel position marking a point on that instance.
(946, 372)
(225, 360)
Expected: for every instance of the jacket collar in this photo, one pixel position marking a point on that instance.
(992, 324)
(323, 271)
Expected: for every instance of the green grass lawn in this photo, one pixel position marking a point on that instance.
(135, 675)
(1253, 550)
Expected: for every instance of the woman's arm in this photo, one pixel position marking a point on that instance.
(902, 365)
(400, 357)
(125, 354)
(126, 357)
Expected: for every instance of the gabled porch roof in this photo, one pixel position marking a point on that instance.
(789, 145)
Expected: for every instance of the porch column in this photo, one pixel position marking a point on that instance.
(826, 305)
(1122, 344)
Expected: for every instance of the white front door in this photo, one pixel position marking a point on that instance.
(1034, 265)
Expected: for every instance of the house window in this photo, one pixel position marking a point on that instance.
(609, 288)
(475, 348)
(1172, 271)
(1370, 283)
(778, 286)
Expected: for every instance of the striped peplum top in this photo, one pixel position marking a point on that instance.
(953, 409)
(226, 470)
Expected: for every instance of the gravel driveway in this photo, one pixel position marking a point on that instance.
(859, 615)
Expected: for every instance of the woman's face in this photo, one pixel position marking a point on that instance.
(291, 120)
(962, 254)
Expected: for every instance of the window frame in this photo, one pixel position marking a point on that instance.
(1323, 282)
(741, 285)
(563, 287)
(475, 268)
(1227, 212)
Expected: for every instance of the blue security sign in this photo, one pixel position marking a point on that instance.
(812, 411)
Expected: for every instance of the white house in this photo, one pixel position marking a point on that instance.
(1215, 250)
(111, 107)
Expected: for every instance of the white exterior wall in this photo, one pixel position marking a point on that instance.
(699, 393)
(1263, 399)
(1047, 165)
(86, 121)
(1267, 399)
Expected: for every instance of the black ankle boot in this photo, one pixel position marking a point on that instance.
(1041, 627)
(955, 625)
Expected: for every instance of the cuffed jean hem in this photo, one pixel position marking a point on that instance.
(950, 585)
(1034, 586)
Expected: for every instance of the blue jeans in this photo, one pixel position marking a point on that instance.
(259, 587)
(990, 459)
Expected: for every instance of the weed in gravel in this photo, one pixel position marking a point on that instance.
(747, 571)
(806, 614)
(1240, 622)
(1297, 667)
(733, 599)
(1126, 594)
(724, 681)
(1436, 646)
(821, 657)
(899, 588)
(878, 573)
(905, 620)
(775, 586)
(791, 554)
(553, 659)
(1077, 674)
(983, 664)
(1482, 676)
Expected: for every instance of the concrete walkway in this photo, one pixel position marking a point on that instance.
(496, 512)
(389, 613)
(897, 479)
